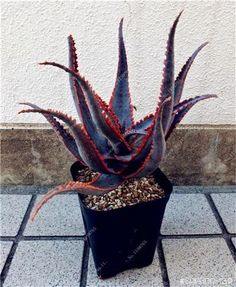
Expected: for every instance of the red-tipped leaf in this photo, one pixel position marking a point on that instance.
(120, 101)
(181, 110)
(158, 146)
(100, 185)
(167, 87)
(81, 105)
(179, 82)
(64, 136)
(87, 149)
(101, 118)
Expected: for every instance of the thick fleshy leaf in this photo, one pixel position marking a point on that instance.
(137, 132)
(140, 127)
(73, 59)
(192, 101)
(98, 111)
(78, 95)
(181, 110)
(98, 138)
(167, 87)
(179, 82)
(81, 105)
(109, 113)
(87, 149)
(64, 136)
(140, 154)
(157, 147)
(120, 101)
(134, 140)
(100, 185)
(115, 165)
(138, 136)
(140, 143)
(73, 64)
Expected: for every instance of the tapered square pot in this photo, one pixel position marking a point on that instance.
(126, 237)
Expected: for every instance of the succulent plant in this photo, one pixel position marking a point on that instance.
(108, 140)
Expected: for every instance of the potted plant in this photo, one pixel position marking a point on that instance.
(124, 197)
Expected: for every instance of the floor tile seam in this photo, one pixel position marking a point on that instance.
(163, 265)
(14, 246)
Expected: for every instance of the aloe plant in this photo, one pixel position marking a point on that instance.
(108, 140)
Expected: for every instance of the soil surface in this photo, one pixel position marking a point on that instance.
(130, 192)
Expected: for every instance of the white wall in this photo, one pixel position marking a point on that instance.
(37, 31)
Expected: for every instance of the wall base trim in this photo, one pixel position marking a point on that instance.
(196, 155)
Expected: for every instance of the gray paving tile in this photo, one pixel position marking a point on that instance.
(59, 216)
(24, 189)
(148, 276)
(189, 214)
(5, 247)
(226, 205)
(199, 262)
(204, 189)
(12, 211)
(46, 263)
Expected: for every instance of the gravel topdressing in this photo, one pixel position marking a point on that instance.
(130, 192)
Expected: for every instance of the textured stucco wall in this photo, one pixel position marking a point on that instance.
(36, 31)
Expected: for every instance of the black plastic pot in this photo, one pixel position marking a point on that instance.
(124, 238)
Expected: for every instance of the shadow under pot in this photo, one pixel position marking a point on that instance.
(126, 237)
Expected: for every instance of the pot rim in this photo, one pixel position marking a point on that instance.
(130, 207)
(76, 166)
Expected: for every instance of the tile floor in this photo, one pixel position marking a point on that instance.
(196, 247)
